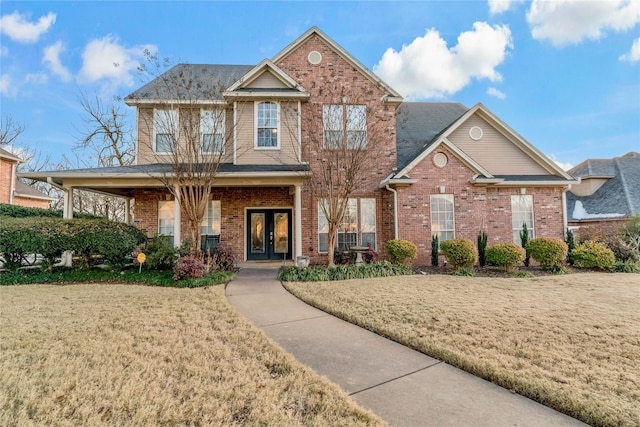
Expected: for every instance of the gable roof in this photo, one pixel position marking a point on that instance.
(390, 94)
(28, 192)
(204, 80)
(442, 138)
(4, 154)
(618, 197)
(292, 88)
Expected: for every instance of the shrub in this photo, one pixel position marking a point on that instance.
(621, 250)
(464, 271)
(548, 251)
(370, 256)
(435, 248)
(223, 259)
(505, 255)
(14, 211)
(593, 255)
(460, 252)
(161, 255)
(571, 244)
(342, 272)
(401, 251)
(188, 267)
(524, 240)
(627, 267)
(482, 248)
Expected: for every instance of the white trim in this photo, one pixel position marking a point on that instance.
(257, 71)
(255, 126)
(298, 221)
(299, 131)
(220, 128)
(235, 131)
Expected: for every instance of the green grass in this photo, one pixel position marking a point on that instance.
(131, 275)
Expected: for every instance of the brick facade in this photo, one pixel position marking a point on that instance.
(7, 175)
(596, 229)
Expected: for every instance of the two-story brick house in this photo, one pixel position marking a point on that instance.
(440, 168)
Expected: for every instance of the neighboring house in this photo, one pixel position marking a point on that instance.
(443, 168)
(608, 194)
(15, 192)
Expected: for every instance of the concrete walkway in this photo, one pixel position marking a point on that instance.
(402, 386)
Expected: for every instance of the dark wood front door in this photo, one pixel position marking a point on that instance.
(268, 234)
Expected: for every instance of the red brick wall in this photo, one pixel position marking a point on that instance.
(596, 229)
(321, 81)
(233, 202)
(31, 203)
(476, 208)
(6, 176)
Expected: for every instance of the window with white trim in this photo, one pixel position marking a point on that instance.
(337, 118)
(267, 124)
(165, 126)
(350, 227)
(522, 213)
(166, 218)
(443, 222)
(212, 130)
(210, 224)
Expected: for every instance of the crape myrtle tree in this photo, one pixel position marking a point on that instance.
(188, 131)
(345, 143)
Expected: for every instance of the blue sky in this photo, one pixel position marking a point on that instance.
(563, 74)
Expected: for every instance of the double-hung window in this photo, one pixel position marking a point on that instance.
(351, 226)
(340, 120)
(443, 222)
(166, 218)
(267, 125)
(522, 213)
(165, 130)
(212, 130)
(211, 220)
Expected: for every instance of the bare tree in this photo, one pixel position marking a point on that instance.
(10, 129)
(189, 133)
(107, 131)
(346, 142)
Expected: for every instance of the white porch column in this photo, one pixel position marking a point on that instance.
(298, 221)
(66, 259)
(176, 220)
(127, 210)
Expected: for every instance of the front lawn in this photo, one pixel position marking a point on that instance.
(571, 342)
(113, 354)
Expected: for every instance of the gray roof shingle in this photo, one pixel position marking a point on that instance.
(619, 196)
(420, 123)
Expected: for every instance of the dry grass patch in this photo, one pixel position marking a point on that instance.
(140, 355)
(571, 342)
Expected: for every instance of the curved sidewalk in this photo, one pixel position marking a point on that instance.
(402, 386)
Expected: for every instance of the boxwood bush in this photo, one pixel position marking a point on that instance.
(342, 272)
(505, 255)
(460, 253)
(548, 251)
(401, 251)
(590, 254)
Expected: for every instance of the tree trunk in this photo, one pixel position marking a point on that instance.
(331, 244)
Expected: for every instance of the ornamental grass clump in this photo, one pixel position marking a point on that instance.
(401, 251)
(592, 254)
(460, 253)
(505, 255)
(549, 252)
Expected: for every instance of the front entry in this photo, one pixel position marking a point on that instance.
(268, 234)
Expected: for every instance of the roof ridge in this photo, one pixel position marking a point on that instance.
(625, 187)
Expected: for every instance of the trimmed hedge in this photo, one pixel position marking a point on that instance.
(505, 255)
(50, 237)
(342, 272)
(548, 251)
(460, 252)
(591, 254)
(401, 251)
(14, 211)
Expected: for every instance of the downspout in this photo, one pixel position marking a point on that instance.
(395, 210)
(565, 223)
(12, 182)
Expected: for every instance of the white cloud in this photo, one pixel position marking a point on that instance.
(19, 29)
(4, 51)
(564, 165)
(52, 59)
(500, 6)
(7, 88)
(565, 22)
(634, 53)
(37, 78)
(492, 91)
(106, 59)
(428, 68)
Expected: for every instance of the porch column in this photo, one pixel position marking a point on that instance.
(298, 221)
(66, 259)
(127, 210)
(176, 220)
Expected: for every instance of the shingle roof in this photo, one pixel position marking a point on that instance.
(619, 196)
(191, 82)
(27, 191)
(419, 123)
(4, 154)
(159, 168)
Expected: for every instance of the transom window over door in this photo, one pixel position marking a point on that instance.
(267, 125)
(212, 130)
(522, 213)
(443, 222)
(165, 126)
